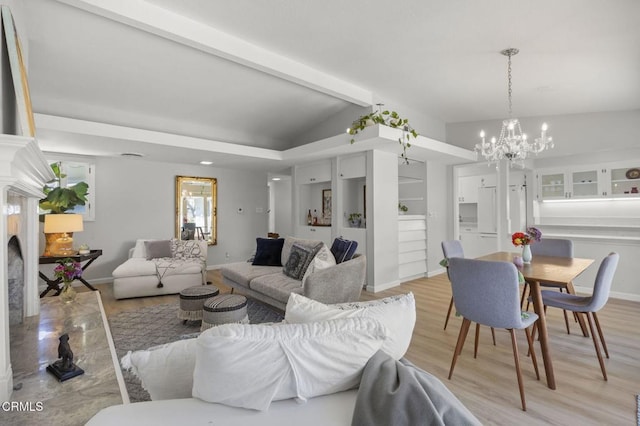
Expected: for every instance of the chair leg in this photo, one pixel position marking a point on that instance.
(532, 352)
(566, 321)
(595, 344)
(518, 372)
(493, 335)
(446, 321)
(525, 287)
(604, 344)
(464, 339)
(464, 328)
(475, 343)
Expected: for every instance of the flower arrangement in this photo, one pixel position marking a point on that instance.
(532, 234)
(67, 270)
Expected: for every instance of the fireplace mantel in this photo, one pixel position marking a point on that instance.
(23, 172)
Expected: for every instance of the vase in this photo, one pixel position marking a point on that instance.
(68, 294)
(526, 254)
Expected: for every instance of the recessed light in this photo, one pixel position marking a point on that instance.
(275, 178)
(206, 163)
(132, 154)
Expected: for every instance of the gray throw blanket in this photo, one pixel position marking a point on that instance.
(397, 393)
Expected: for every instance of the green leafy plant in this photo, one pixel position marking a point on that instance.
(403, 208)
(355, 216)
(58, 199)
(386, 118)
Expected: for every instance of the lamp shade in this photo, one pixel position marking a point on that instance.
(55, 223)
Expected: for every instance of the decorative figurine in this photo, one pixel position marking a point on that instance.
(64, 368)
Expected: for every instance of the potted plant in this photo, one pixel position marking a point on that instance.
(387, 118)
(402, 209)
(355, 220)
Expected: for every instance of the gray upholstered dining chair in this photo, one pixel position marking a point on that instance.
(589, 305)
(453, 248)
(489, 293)
(554, 247)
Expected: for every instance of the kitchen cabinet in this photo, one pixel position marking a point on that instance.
(589, 182)
(313, 172)
(468, 189)
(354, 166)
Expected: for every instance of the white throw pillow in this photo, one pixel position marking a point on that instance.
(166, 371)
(251, 365)
(396, 313)
(324, 259)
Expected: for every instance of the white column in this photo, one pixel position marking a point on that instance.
(31, 259)
(6, 373)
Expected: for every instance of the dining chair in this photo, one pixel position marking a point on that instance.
(589, 305)
(554, 247)
(453, 248)
(488, 293)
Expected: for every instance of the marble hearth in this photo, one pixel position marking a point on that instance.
(23, 172)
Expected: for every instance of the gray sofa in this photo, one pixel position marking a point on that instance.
(336, 284)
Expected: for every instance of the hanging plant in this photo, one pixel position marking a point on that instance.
(386, 118)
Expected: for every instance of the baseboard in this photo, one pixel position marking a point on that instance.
(436, 272)
(382, 287)
(614, 294)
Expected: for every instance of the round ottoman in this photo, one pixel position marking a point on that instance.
(192, 299)
(224, 309)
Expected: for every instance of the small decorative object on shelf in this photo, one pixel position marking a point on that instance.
(309, 218)
(523, 239)
(402, 209)
(64, 368)
(386, 118)
(633, 174)
(67, 270)
(84, 249)
(355, 220)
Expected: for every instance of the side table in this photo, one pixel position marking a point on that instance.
(53, 284)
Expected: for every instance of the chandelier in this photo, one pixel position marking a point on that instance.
(512, 143)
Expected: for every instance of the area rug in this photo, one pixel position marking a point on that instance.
(159, 324)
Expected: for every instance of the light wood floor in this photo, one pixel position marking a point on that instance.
(487, 385)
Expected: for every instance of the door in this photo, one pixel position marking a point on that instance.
(487, 210)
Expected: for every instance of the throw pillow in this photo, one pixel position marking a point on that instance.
(343, 250)
(299, 259)
(268, 252)
(157, 249)
(249, 366)
(323, 259)
(396, 313)
(189, 249)
(166, 371)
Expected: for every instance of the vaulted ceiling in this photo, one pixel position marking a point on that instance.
(207, 76)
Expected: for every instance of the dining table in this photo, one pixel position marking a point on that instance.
(559, 270)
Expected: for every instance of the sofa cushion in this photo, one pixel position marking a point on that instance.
(397, 313)
(290, 241)
(244, 272)
(343, 250)
(135, 267)
(268, 251)
(165, 371)
(157, 249)
(299, 260)
(304, 360)
(277, 286)
(322, 260)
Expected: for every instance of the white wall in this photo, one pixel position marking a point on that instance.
(136, 199)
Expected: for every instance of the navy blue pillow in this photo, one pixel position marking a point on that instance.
(268, 252)
(343, 250)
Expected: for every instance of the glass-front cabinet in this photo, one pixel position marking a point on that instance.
(589, 182)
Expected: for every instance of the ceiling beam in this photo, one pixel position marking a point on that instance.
(164, 23)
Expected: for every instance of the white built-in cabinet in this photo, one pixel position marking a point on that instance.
(351, 198)
(589, 182)
(311, 181)
(412, 246)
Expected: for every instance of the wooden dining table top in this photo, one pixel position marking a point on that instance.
(560, 270)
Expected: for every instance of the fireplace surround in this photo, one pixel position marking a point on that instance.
(23, 172)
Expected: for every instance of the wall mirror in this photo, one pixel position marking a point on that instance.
(196, 208)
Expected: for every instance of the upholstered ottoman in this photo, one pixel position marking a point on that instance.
(192, 300)
(224, 309)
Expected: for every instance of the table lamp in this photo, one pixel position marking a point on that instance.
(65, 224)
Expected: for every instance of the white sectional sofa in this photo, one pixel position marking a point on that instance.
(141, 275)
